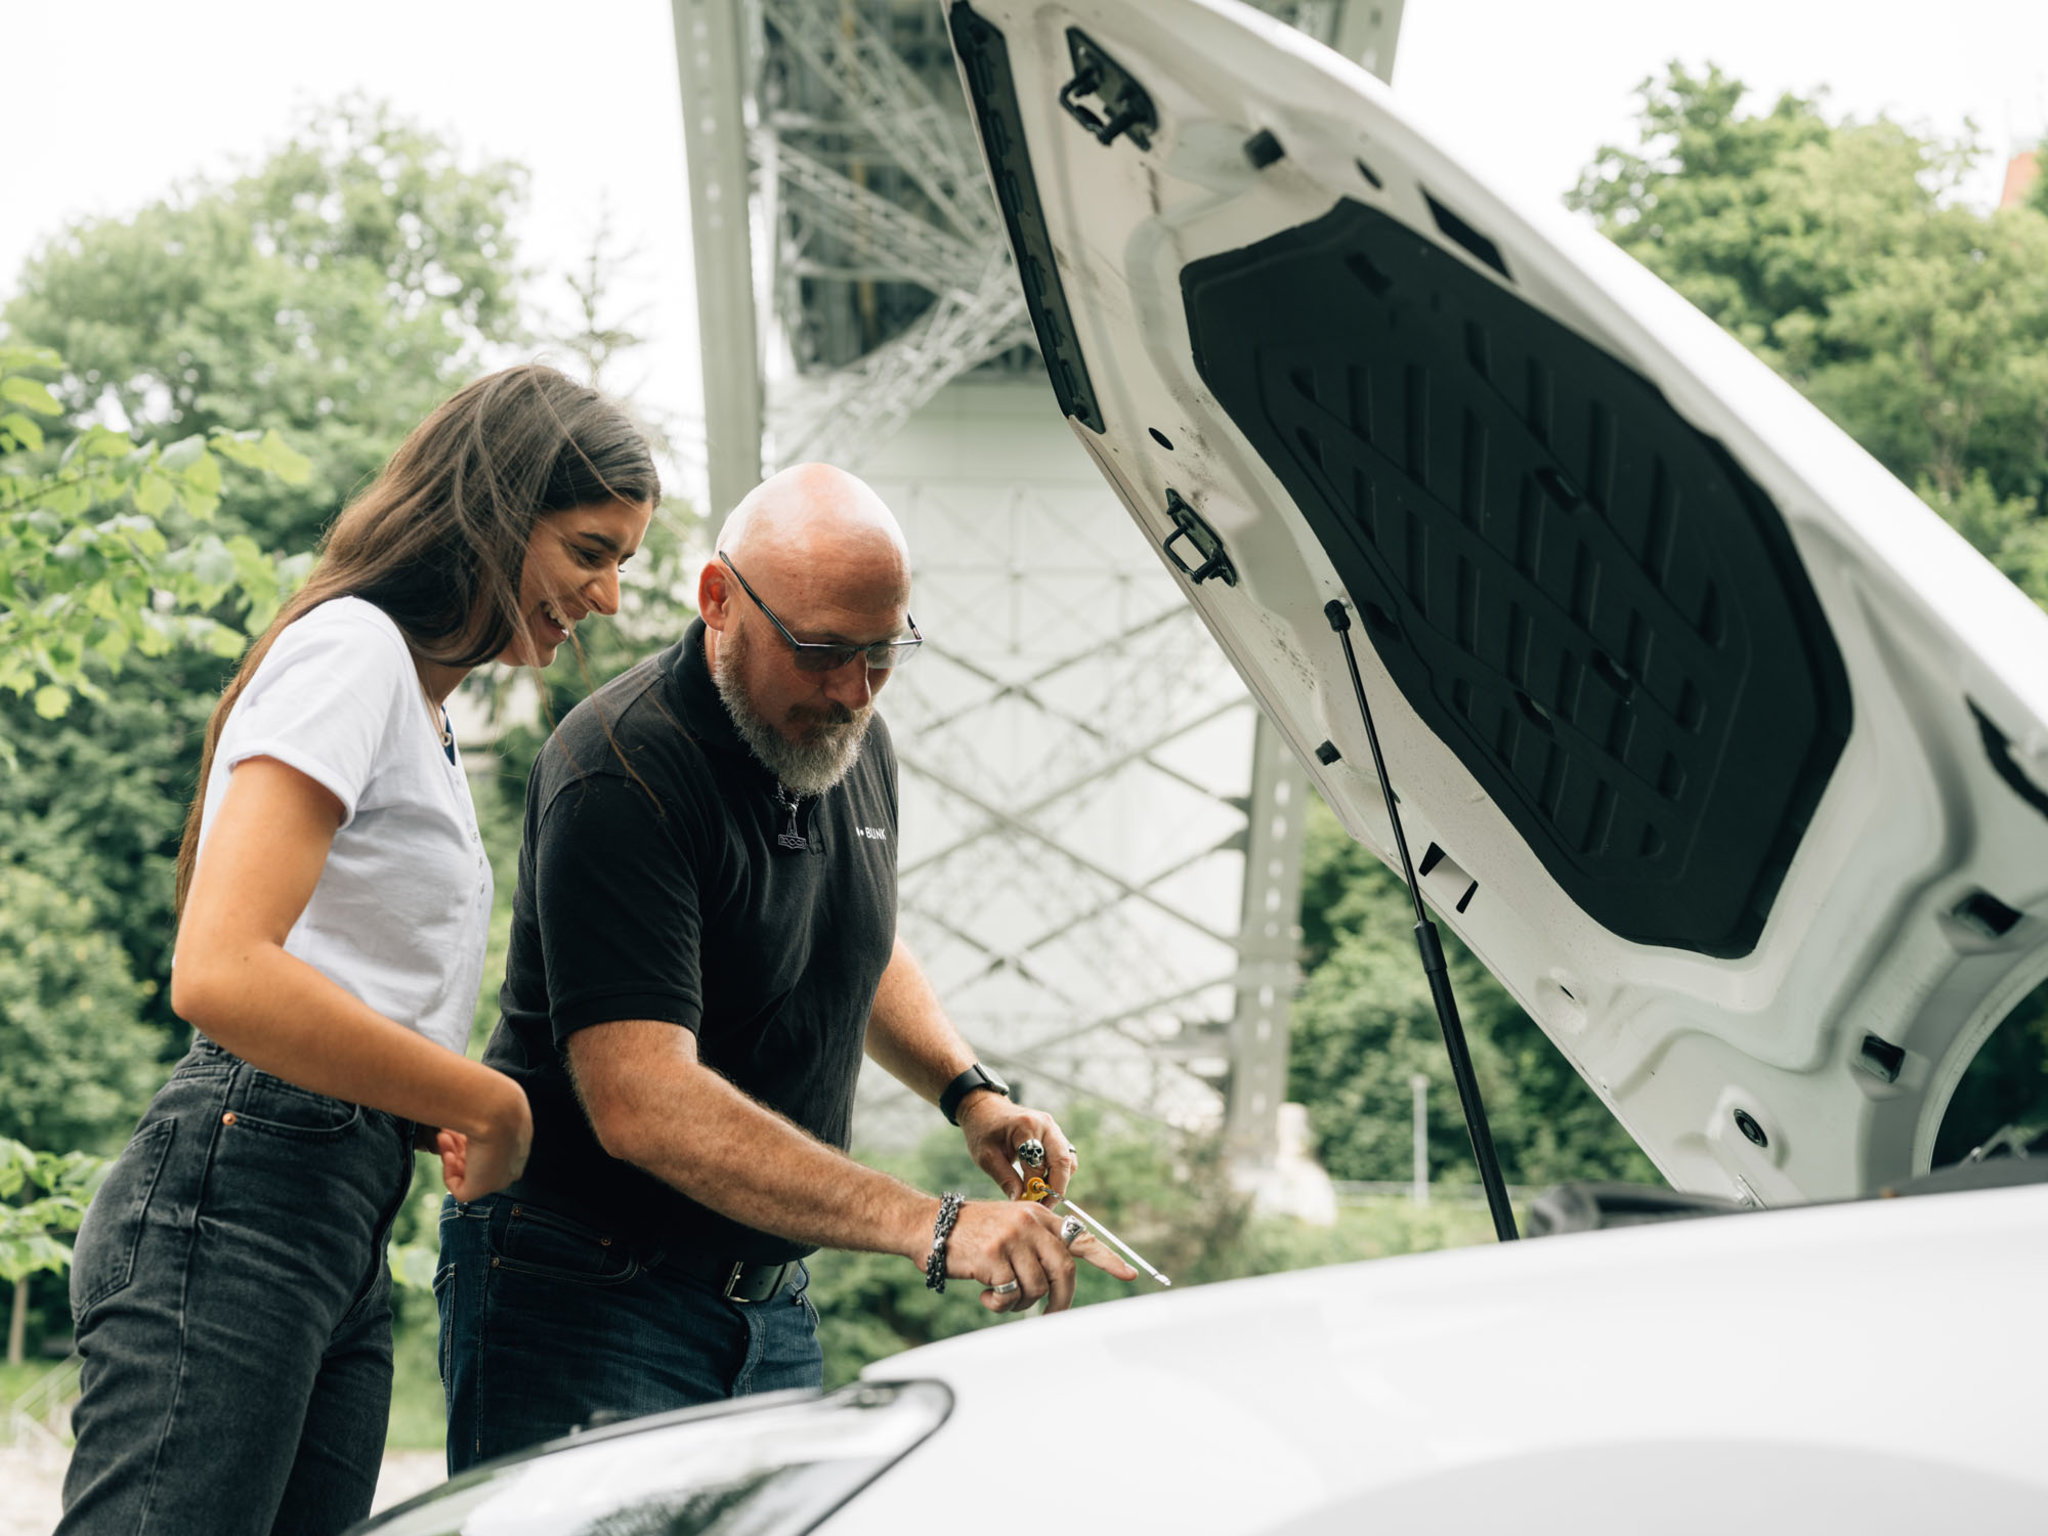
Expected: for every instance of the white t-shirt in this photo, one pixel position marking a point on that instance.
(402, 911)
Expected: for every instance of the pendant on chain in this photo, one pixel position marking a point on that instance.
(789, 837)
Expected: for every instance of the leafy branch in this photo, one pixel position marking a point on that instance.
(59, 1186)
(89, 570)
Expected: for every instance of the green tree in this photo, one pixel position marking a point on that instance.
(89, 573)
(1842, 253)
(42, 1199)
(336, 294)
(80, 1062)
(332, 296)
(108, 563)
(117, 572)
(1365, 1024)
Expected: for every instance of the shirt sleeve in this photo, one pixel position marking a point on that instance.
(324, 701)
(616, 899)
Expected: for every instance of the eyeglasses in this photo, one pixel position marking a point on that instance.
(811, 656)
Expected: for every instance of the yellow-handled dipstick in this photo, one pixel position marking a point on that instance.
(1031, 1155)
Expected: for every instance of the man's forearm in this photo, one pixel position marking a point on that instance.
(654, 1105)
(909, 1035)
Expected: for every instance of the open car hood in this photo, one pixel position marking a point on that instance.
(1720, 749)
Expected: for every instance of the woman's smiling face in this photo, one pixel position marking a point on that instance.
(572, 569)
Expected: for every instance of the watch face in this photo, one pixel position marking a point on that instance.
(994, 1081)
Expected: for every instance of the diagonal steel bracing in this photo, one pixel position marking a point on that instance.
(868, 403)
(1135, 752)
(890, 102)
(892, 239)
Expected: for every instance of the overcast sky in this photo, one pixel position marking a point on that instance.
(111, 102)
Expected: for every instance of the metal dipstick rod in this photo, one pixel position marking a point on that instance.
(1431, 946)
(1031, 1155)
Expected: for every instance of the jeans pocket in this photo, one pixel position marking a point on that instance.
(444, 1311)
(528, 1240)
(103, 1258)
(268, 1104)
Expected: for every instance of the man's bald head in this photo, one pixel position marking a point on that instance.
(819, 550)
(816, 518)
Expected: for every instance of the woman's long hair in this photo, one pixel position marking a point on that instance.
(439, 538)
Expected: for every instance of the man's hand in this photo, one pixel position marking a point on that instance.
(995, 1128)
(997, 1243)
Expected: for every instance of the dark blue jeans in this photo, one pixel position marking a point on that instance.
(547, 1324)
(232, 1305)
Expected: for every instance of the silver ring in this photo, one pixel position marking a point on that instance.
(1071, 1229)
(1007, 1288)
(1031, 1152)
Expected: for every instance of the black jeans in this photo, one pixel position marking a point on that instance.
(547, 1323)
(233, 1312)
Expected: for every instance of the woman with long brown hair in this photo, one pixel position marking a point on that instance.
(229, 1284)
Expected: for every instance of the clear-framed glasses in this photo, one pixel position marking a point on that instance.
(814, 656)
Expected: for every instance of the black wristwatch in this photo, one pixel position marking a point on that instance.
(976, 1076)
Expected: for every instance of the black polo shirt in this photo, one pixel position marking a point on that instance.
(652, 885)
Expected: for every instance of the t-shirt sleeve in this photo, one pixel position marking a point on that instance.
(324, 700)
(616, 901)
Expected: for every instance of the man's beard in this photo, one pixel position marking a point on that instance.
(831, 738)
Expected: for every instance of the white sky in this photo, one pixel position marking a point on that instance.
(129, 97)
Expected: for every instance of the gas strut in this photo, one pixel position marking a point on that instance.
(1432, 948)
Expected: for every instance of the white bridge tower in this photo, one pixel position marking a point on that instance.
(1102, 856)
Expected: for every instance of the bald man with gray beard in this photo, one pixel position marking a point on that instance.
(703, 945)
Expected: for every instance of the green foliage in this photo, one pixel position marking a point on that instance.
(334, 294)
(43, 1197)
(96, 802)
(80, 1062)
(1841, 253)
(93, 567)
(1365, 1024)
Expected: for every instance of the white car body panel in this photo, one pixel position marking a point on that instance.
(1853, 1367)
(1862, 936)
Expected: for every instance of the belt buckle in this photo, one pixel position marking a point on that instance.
(732, 1282)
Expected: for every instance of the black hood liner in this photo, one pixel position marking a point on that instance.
(1583, 596)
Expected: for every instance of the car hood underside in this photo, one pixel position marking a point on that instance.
(1719, 749)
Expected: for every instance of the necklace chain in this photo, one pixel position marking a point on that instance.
(437, 717)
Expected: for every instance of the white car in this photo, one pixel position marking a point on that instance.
(1724, 753)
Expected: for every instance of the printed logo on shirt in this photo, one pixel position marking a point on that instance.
(872, 834)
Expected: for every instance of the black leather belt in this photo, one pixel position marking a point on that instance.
(741, 1282)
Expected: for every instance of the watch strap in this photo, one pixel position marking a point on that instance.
(976, 1076)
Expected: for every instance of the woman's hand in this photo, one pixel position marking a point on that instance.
(485, 1162)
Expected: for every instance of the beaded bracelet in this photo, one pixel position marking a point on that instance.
(935, 1263)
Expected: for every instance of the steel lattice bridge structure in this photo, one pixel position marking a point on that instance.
(1102, 857)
